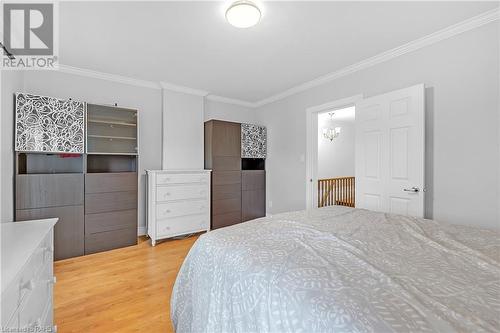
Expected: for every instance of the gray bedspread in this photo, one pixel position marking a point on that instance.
(339, 269)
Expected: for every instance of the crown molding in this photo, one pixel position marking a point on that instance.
(183, 89)
(453, 30)
(233, 101)
(149, 84)
(107, 76)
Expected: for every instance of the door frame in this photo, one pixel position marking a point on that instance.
(312, 142)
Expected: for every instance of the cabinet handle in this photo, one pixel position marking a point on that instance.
(29, 285)
(167, 211)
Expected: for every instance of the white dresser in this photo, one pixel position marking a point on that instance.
(178, 203)
(27, 276)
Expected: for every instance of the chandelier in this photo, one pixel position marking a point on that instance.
(330, 132)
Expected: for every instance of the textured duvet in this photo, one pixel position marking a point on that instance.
(339, 269)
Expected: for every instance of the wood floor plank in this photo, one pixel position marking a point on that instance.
(124, 290)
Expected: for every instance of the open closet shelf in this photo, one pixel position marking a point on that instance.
(111, 130)
(111, 122)
(31, 163)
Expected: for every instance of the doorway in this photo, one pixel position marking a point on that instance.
(335, 164)
(389, 153)
(337, 160)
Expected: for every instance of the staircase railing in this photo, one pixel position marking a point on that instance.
(336, 191)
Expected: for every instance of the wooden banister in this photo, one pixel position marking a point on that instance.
(336, 191)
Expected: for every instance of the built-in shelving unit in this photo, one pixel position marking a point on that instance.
(93, 191)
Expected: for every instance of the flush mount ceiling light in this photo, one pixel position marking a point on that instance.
(243, 14)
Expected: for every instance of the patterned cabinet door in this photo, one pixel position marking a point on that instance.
(47, 124)
(253, 141)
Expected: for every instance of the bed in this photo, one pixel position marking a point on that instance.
(339, 269)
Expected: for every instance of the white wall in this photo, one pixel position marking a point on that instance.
(335, 158)
(183, 118)
(146, 100)
(11, 82)
(229, 112)
(462, 153)
(182, 131)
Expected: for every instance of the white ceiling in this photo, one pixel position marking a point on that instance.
(191, 44)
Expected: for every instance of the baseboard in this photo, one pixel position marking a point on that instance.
(141, 231)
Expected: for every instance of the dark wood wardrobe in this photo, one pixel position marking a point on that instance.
(236, 155)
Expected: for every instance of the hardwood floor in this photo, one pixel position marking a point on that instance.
(124, 290)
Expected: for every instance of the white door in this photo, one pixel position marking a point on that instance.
(390, 141)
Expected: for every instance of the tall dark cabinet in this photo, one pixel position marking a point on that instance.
(78, 162)
(223, 157)
(238, 181)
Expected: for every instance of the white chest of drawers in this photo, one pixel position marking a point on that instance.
(178, 203)
(27, 276)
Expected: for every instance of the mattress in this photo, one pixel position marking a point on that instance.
(339, 269)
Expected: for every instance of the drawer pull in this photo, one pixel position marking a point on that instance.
(167, 211)
(29, 285)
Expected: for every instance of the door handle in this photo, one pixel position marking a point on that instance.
(414, 189)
